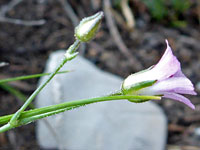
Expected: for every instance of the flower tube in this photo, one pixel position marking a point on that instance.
(165, 79)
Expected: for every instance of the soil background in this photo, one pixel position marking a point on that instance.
(26, 47)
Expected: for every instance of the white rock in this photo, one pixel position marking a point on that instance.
(198, 86)
(116, 125)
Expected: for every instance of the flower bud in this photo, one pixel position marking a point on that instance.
(88, 27)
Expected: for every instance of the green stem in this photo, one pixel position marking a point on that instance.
(36, 117)
(28, 77)
(63, 107)
(70, 55)
(32, 115)
(17, 93)
(6, 127)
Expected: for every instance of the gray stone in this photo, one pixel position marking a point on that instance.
(198, 86)
(115, 125)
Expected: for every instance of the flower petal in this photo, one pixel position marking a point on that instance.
(182, 91)
(179, 98)
(167, 66)
(181, 85)
(174, 84)
(179, 73)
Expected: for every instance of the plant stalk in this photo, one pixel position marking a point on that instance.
(35, 114)
(71, 51)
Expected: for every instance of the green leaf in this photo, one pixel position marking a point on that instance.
(180, 5)
(179, 23)
(157, 8)
(28, 77)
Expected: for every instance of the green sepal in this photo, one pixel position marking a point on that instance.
(138, 100)
(138, 86)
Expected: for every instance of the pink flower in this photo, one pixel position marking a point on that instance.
(165, 78)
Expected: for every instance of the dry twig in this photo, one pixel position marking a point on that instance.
(69, 11)
(117, 38)
(184, 147)
(130, 20)
(9, 6)
(6, 8)
(22, 22)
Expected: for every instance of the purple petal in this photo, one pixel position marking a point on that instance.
(167, 66)
(179, 98)
(183, 91)
(179, 74)
(181, 85)
(174, 84)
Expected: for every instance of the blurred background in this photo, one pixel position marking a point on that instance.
(131, 38)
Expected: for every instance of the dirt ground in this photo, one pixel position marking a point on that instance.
(26, 46)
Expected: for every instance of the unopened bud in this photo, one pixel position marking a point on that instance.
(88, 27)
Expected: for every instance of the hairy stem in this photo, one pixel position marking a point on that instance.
(35, 114)
(71, 54)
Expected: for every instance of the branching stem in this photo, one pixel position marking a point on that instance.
(71, 53)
